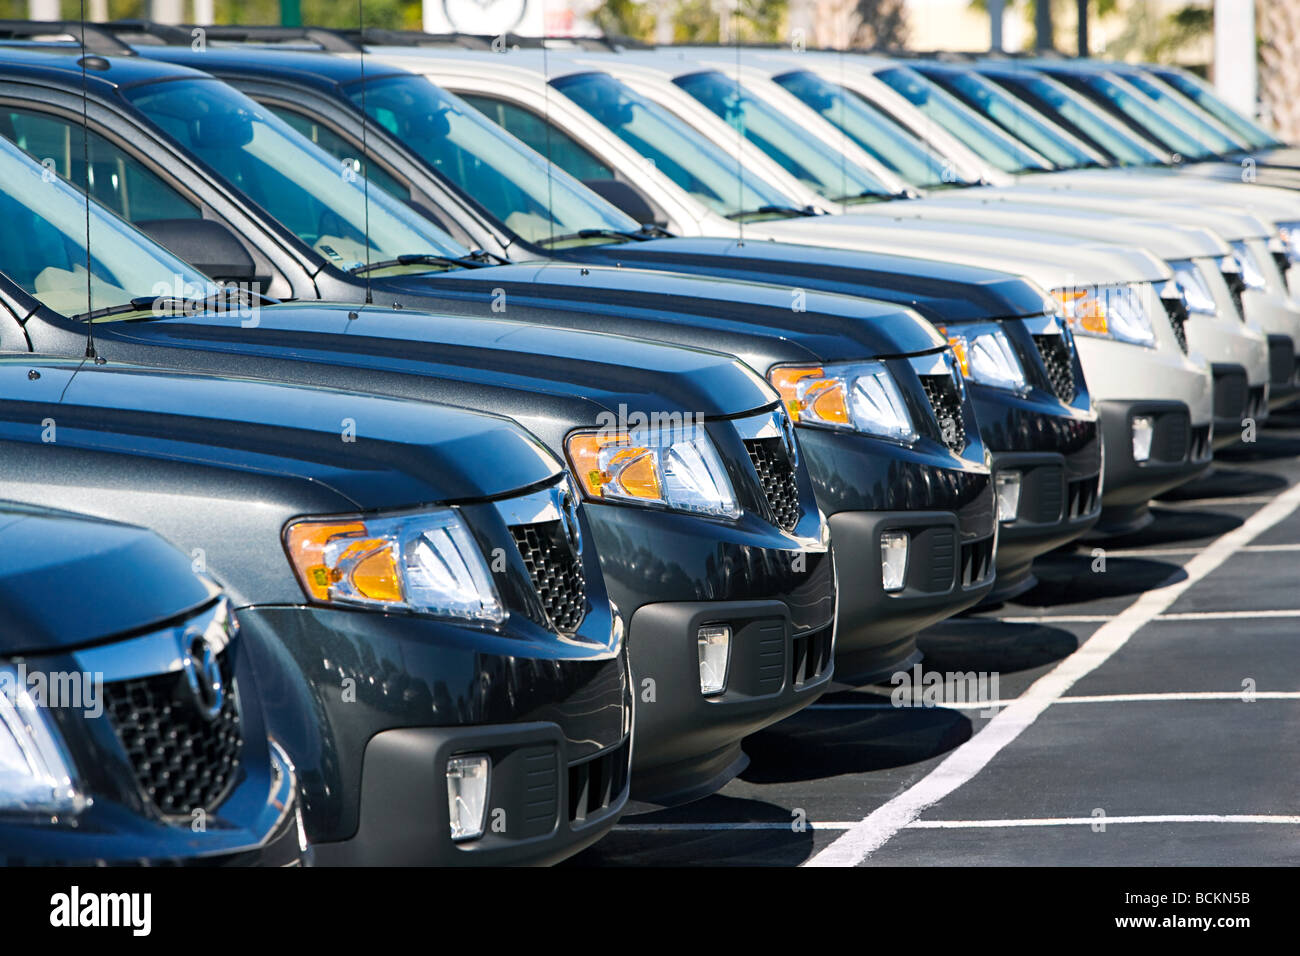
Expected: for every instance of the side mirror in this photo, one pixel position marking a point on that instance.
(208, 246)
(620, 194)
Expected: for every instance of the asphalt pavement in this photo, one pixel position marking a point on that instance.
(1140, 706)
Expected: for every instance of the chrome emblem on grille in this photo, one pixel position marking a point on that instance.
(202, 673)
(567, 505)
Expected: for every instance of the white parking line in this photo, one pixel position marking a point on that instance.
(1179, 552)
(1229, 500)
(1265, 818)
(1105, 820)
(1081, 699)
(1173, 616)
(873, 831)
(1057, 619)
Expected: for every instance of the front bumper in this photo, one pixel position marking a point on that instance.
(946, 505)
(1235, 401)
(687, 744)
(335, 682)
(671, 574)
(542, 804)
(1179, 452)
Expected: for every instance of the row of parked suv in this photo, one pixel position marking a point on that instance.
(520, 425)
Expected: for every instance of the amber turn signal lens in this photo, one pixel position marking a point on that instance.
(809, 395)
(306, 543)
(605, 459)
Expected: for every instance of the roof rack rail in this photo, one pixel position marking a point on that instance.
(147, 32)
(335, 41)
(95, 38)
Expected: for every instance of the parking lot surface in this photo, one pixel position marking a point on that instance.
(1146, 711)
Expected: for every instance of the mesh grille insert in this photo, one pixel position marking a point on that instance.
(1177, 311)
(182, 760)
(941, 390)
(1236, 285)
(776, 476)
(555, 570)
(1060, 368)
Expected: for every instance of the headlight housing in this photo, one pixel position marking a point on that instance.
(1107, 311)
(986, 356)
(424, 561)
(35, 776)
(1251, 273)
(1289, 233)
(674, 467)
(1196, 293)
(860, 396)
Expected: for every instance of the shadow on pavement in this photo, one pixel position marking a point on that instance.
(1170, 527)
(825, 743)
(768, 847)
(1227, 483)
(992, 646)
(1070, 579)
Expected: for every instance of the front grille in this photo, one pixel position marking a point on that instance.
(556, 572)
(596, 783)
(182, 760)
(941, 546)
(1171, 440)
(1082, 497)
(1236, 286)
(941, 390)
(1041, 496)
(976, 561)
(777, 479)
(1059, 364)
(1255, 406)
(1230, 392)
(1200, 443)
(1178, 315)
(1281, 359)
(812, 655)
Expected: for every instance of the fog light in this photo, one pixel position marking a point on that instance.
(1008, 485)
(1144, 429)
(893, 560)
(714, 644)
(467, 788)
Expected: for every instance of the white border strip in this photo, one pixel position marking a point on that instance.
(959, 767)
(1082, 699)
(1106, 821)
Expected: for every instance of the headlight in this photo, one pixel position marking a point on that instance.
(986, 356)
(674, 467)
(862, 396)
(1251, 273)
(424, 561)
(1289, 232)
(34, 776)
(1107, 311)
(1196, 293)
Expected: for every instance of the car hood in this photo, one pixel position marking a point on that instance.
(362, 452)
(760, 323)
(940, 291)
(1166, 240)
(1217, 203)
(586, 373)
(67, 580)
(1046, 257)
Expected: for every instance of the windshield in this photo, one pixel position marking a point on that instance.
(322, 201)
(1012, 115)
(880, 136)
(43, 245)
(1077, 115)
(679, 152)
(989, 143)
(1203, 95)
(534, 199)
(1182, 112)
(1135, 110)
(817, 165)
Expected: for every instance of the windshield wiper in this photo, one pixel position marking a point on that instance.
(176, 305)
(789, 211)
(593, 234)
(475, 260)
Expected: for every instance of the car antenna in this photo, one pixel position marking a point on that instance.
(740, 133)
(365, 151)
(85, 162)
(546, 112)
